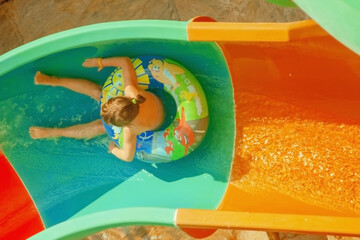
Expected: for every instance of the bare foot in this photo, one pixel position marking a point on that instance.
(39, 132)
(43, 79)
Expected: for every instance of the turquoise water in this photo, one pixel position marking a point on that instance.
(69, 178)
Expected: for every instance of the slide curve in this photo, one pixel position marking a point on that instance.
(268, 87)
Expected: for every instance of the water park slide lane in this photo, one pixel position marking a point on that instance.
(296, 97)
(286, 89)
(68, 178)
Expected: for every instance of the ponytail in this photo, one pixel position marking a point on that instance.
(120, 111)
(138, 99)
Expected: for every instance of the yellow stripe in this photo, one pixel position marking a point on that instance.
(144, 79)
(140, 70)
(136, 63)
(107, 88)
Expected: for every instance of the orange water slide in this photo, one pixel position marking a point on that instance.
(297, 152)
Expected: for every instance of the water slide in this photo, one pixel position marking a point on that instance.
(340, 18)
(281, 152)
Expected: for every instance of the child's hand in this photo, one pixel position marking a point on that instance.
(93, 62)
(112, 145)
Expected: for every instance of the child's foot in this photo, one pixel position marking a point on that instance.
(39, 132)
(43, 79)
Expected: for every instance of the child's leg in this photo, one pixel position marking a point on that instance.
(78, 85)
(87, 130)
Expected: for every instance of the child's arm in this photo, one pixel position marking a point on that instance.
(127, 152)
(128, 71)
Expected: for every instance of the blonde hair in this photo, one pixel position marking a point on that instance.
(120, 111)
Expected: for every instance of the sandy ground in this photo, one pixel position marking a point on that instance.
(24, 21)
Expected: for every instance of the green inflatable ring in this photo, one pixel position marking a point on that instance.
(189, 126)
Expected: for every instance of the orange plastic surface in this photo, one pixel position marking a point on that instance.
(297, 148)
(268, 222)
(298, 122)
(199, 30)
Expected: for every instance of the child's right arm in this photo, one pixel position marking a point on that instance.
(128, 71)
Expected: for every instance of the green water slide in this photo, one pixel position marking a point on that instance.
(68, 178)
(341, 18)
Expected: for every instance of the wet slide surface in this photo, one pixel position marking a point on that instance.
(298, 123)
(68, 178)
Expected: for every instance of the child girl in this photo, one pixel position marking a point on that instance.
(137, 111)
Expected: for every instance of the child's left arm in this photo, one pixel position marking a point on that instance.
(127, 152)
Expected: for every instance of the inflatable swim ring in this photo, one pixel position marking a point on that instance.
(189, 126)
